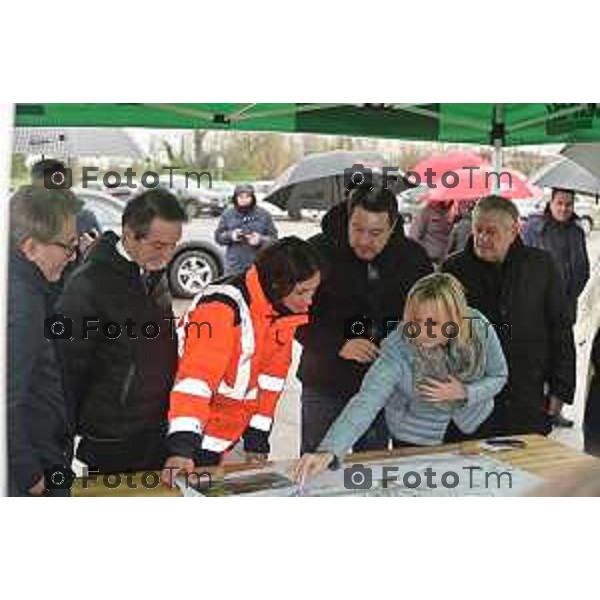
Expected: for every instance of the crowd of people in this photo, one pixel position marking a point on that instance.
(402, 345)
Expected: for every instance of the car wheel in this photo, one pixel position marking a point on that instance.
(587, 225)
(192, 270)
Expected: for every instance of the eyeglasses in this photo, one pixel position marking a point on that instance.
(69, 249)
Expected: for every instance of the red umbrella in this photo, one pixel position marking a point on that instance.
(475, 184)
(450, 161)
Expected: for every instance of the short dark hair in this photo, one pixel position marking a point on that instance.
(141, 210)
(38, 169)
(40, 214)
(285, 263)
(377, 199)
(564, 191)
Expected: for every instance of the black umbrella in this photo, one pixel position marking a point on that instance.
(320, 181)
(566, 174)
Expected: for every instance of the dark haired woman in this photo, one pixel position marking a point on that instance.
(235, 347)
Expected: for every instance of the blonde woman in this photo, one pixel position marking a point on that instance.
(436, 377)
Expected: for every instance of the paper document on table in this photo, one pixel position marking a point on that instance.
(447, 474)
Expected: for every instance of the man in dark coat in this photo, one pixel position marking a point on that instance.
(43, 241)
(368, 267)
(558, 232)
(121, 362)
(521, 292)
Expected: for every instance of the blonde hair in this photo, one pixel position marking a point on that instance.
(447, 293)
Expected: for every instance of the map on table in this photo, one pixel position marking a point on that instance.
(433, 475)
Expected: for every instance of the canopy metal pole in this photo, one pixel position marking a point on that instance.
(6, 133)
(498, 135)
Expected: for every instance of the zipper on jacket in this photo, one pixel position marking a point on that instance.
(127, 385)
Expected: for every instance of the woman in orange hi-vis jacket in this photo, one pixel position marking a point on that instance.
(235, 347)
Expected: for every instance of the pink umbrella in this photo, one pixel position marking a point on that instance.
(450, 161)
(475, 184)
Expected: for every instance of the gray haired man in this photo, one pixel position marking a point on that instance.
(43, 241)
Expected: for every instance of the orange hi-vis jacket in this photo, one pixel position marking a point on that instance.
(235, 352)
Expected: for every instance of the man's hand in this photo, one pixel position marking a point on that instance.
(360, 350)
(254, 239)
(174, 465)
(256, 458)
(433, 390)
(554, 406)
(39, 489)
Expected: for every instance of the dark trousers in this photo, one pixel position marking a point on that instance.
(141, 452)
(511, 417)
(591, 420)
(320, 410)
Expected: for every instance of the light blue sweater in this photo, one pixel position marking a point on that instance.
(389, 384)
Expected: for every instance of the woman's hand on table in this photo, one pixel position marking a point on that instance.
(311, 464)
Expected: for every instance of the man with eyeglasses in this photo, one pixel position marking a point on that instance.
(86, 222)
(519, 289)
(120, 364)
(43, 240)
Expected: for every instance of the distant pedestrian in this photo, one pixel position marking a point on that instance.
(244, 229)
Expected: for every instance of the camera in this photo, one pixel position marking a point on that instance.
(358, 177)
(59, 477)
(58, 327)
(58, 179)
(358, 477)
(359, 326)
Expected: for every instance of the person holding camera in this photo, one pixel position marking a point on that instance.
(436, 377)
(368, 268)
(229, 380)
(244, 229)
(43, 241)
(118, 384)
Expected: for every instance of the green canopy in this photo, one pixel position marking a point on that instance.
(495, 124)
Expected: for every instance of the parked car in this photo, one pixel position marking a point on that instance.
(122, 192)
(197, 199)
(262, 188)
(218, 195)
(198, 260)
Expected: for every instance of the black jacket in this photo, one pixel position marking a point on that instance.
(37, 426)
(566, 244)
(346, 292)
(524, 298)
(117, 387)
